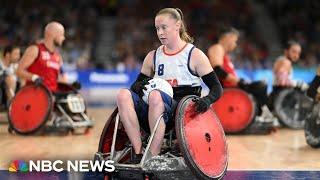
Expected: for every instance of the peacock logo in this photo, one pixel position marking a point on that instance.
(18, 166)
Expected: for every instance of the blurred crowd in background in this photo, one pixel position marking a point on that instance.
(22, 23)
(299, 20)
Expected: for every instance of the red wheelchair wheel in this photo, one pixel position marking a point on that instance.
(202, 141)
(30, 109)
(235, 109)
(107, 135)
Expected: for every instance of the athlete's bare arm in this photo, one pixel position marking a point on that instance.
(62, 78)
(147, 66)
(216, 54)
(27, 59)
(199, 63)
(281, 70)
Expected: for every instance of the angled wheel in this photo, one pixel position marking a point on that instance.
(236, 110)
(30, 109)
(106, 139)
(202, 141)
(292, 107)
(107, 135)
(312, 127)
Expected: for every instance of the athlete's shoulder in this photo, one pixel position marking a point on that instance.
(282, 63)
(216, 47)
(32, 49)
(283, 60)
(150, 54)
(158, 49)
(198, 53)
(149, 59)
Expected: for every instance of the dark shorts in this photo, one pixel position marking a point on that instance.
(141, 108)
(259, 91)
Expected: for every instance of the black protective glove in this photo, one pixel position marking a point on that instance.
(313, 88)
(302, 86)
(139, 86)
(76, 85)
(242, 84)
(38, 81)
(201, 105)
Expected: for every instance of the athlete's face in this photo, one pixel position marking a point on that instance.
(293, 53)
(232, 40)
(59, 37)
(167, 28)
(15, 55)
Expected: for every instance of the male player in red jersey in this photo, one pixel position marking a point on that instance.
(224, 68)
(221, 62)
(220, 59)
(42, 62)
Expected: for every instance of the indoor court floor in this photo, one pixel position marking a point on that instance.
(284, 149)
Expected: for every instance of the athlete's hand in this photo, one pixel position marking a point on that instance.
(76, 85)
(37, 80)
(242, 84)
(301, 85)
(201, 105)
(139, 86)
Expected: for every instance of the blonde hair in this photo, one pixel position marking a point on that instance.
(176, 14)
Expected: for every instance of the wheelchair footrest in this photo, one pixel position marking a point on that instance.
(82, 124)
(72, 125)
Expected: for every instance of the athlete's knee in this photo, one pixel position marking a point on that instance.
(123, 96)
(155, 99)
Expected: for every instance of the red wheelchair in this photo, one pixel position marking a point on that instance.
(197, 143)
(35, 107)
(238, 113)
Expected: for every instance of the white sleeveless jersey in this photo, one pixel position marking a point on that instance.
(175, 68)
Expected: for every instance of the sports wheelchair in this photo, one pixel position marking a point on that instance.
(35, 107)
(291, 107)
(197, 143)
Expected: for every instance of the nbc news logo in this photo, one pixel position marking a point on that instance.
(18, 166)
(57, 166)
